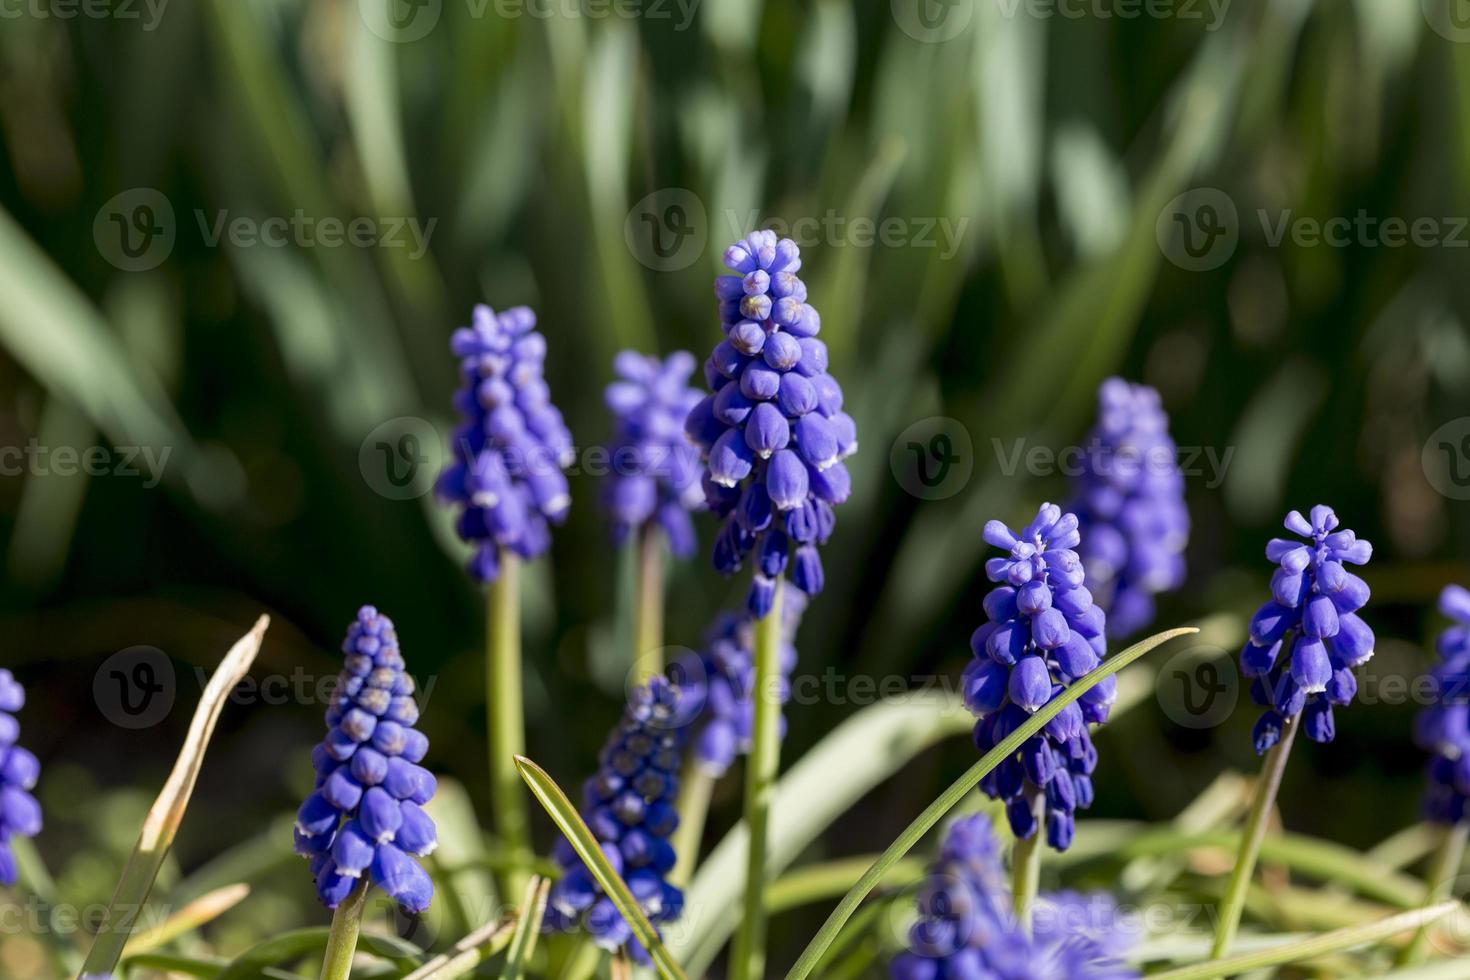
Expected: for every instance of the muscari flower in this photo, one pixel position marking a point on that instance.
(773, 431)
(967, 930)
(511, 445)
(1130, 507)
(1044, 632)
(718, 684)
(1314, 615)
(629, 806)
(655, 475)
(20, 814)
(366, 814)
(1443, 727)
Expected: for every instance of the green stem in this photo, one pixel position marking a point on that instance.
(1441, 885)
(748, 957)
(507, 722)
(693, 806)
(1026, 861)
(648, 613)
(1250, 842)
(342, 943)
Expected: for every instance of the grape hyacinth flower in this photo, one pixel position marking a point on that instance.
(629, 806)
(1130, 507)
(655, 475)
(772, 430)
(966, 929)
(1313, 614)
(720, 683)
(1044, 632)
(1443, 727)
(20, 814)
(511, 445)
(366, 814)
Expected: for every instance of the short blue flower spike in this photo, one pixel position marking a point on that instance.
(1044, 632)
(629, 806)
(20, 814)
(366, 814)
(511, 446)
(654, 474)
(1443, 727)
(1313, 620)
(772, 430)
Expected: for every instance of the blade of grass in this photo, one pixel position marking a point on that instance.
(1328, 942)
(1441, 884)
(301, 944)
(202, 910)
(570, 823)
(469, 952)
(829, 879)
(528, 927)
(936, 810)
(167, 812)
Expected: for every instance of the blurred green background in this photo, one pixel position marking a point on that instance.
(540, 146)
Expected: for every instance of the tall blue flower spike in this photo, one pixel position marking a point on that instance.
(366, 814)
(629, 806)
(654, 474)
(1443, 727)
(719, 683)
(1130, 506)
(772, 431)
(1044, 632)
(1313, 614)
(511, 445)
(20, 814)
(966, 929)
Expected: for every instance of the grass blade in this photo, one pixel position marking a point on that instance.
(528, 927)
(163, 819)
(304, 944)
(201, 911)
(469, 952)
(1328, 942)
(570, 823)
(946, 801)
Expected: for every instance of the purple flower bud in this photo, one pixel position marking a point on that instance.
(767, 431)
(787, 480)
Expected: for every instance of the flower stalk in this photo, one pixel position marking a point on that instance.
(342, 942)
(648, 612)
(1255, 832)
(695, 789)
(749, 952)
(507, 721)
(1026, 862)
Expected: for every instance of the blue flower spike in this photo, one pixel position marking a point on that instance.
(20, 814)
(772, 429)
(1130, 507)
(1443, 726)
(1043, 633)
(966, 929)
(630, 807)
(511, 446)
(1305, 642)
(366, 816)
(655, 475)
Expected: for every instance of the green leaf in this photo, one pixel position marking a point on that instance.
(528, 927)
(167, 812)
(196, 966)
(301, 944)
(936, 810)
(570, 823)
(1328, 942)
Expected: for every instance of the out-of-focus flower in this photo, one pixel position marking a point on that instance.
(655, 473)
(629, 806)
(366, 814)
(1130, 506)
(1443, 727)
(1314, 615)
(719, 684)
(966, 929)
(1044, 632)
(20, 814)
(509, 450)
(773, 431)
